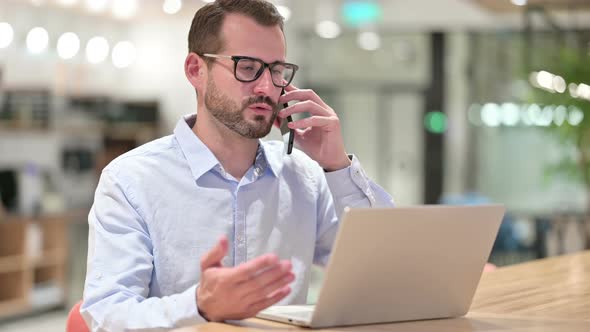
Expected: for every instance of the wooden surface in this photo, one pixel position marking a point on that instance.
(24, 267)
(544, 295)
(556, 287)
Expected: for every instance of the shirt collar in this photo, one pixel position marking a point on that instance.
(274, 160)
(201, 159)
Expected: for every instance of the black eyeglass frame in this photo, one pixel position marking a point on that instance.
(237, 58)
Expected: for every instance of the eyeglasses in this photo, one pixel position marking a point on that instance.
(248, 69)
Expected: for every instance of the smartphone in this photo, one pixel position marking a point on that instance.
(285, 129)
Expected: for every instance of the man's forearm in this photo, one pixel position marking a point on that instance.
(122, 311)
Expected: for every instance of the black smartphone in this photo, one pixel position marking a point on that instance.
(285, 129)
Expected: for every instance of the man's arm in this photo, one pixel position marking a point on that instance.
(344, 183)
(351, 187)
(120, 269)
(348, 187)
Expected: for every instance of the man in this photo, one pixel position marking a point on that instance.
(213, 192)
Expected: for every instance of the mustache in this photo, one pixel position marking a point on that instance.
(261, 100)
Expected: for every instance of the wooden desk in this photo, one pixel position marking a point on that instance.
(544, 295)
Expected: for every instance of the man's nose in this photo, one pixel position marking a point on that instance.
(264, 85)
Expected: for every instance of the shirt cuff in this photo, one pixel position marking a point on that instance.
(187, 305)
(350, 180)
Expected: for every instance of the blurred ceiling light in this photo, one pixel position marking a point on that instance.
(546, 117)
(37, 40)
(327, 29)
(208, 1)
(403, 50)
(533, 79)
(124, 54)
(124, 9)
(6, 34)
(172, 6)
(575, 116)
(573, 87)
(559, 84)
(524, 115)
(509, 114)
(559, 115)
(97, 50)
(369, 40)
(490, 115)
(96, 6)
(545, 80)
(519, 2)
(285, 12)
(583, 91)
(68, 45)
(534, 114)
(67, 3)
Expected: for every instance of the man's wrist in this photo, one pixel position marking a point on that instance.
(201, 312)
(340, 165)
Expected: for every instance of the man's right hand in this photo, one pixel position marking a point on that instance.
(228, 293)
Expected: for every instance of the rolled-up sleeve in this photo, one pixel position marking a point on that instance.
(348, 187)
(116, 293)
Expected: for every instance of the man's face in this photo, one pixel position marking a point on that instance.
(248, 109)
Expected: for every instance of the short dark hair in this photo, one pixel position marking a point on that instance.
(204, 35)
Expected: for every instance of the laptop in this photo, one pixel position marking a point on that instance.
(400, 264)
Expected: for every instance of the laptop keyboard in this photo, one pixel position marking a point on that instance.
(301, 314)
(296, 311)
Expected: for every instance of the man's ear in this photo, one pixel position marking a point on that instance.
(195, 70)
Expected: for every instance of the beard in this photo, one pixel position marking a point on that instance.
(231, 115)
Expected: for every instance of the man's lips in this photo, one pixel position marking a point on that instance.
(261, 107)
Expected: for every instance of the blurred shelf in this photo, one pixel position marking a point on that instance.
(13, 307)
(12, 263)
(55, 257)
(46, 295)
(9, 126)
(33, 253)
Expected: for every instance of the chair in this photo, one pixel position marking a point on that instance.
(75, 322)
(489, 267)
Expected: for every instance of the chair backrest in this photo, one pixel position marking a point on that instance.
(75, 322)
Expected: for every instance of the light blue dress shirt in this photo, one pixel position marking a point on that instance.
(160, 207)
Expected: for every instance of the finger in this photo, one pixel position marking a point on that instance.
(267, 278)
(290, 87)
(267, 302)
(251, 269)
(214, 256)
(302, 95)
(314, 121)
(260, 293)
(302, 132)
(305, 106)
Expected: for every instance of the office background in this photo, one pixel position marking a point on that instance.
(443, 101)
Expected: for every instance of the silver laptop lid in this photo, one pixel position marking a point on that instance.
(406, 263)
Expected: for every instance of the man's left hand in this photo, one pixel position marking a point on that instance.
(319, 135)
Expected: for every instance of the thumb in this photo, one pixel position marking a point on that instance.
(214, 256)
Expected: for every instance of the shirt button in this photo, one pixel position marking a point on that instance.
(257, 171)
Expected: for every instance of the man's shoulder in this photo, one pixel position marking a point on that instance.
(296, 163)
(150, 153)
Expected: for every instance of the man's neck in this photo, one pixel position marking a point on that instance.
(235, 152)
